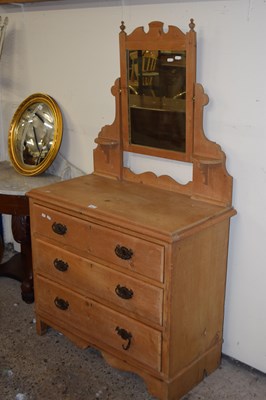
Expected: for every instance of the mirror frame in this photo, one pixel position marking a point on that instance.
(58, 132)
(156, 38)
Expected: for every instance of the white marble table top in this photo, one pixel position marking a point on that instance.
(12, 183)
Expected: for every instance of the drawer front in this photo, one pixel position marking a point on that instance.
(109, 245)
(91, 278)
(128, 337)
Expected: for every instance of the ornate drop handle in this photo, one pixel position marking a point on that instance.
(124, 292)
(61, 303)
(61, 265)
(123, 252)
(59, 229)
(125, 335)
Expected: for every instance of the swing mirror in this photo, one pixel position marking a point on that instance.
(158, 76)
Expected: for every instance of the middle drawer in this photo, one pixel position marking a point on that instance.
(93, 279)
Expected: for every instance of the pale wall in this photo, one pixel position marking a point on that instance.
(71, 52)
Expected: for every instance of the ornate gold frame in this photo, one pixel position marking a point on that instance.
(30, 170)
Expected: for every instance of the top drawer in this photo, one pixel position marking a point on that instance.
(138, 255)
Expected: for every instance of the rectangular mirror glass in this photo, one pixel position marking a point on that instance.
(157, 98)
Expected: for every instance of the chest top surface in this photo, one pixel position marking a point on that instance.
(125, 202)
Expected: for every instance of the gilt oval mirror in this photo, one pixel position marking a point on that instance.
(35, 134)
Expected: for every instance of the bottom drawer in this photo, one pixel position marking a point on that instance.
(127, 336)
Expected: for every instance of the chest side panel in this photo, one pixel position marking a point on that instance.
(197, 287)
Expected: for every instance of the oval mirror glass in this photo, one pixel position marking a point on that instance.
(35, 134)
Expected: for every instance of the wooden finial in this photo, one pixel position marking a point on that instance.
(192, 24)
(122, 26)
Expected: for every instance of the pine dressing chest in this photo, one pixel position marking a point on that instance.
(135, 264)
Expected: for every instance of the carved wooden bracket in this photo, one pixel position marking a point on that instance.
(211, 181)
(108, 159)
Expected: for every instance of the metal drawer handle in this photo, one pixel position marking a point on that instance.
(124, 292)
(61, 265)
(125, 335)
(123, 252)
(61, 303)
(59, 229)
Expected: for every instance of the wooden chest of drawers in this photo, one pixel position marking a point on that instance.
(135, 271)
